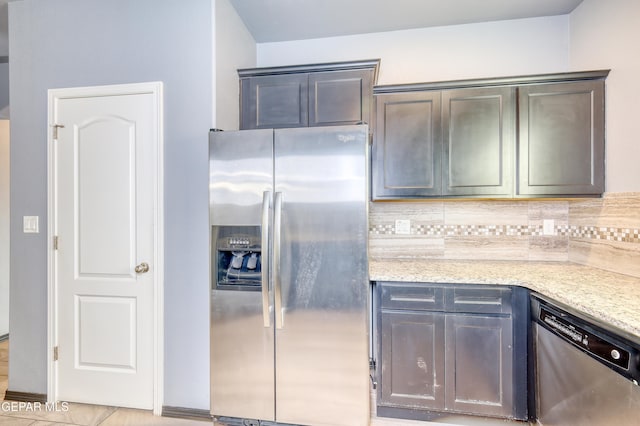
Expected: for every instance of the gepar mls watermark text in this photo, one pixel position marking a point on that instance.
(19, 406)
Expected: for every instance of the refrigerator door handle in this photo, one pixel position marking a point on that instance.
(266, 204)
(277, 229)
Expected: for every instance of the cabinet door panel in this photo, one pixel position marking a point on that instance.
(339, 97)
(408, 146)
(479, 365)
(478, 140)
(562, 139)
(277, 101)
(412, 360)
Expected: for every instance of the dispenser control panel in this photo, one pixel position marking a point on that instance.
(239, 241)
(236, 258)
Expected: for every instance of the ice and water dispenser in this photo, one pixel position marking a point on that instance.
(237, 259)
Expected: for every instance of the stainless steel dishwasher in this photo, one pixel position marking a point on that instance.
(586, 372)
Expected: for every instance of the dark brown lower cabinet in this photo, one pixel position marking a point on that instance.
(451, 349)
(413, 360)
(479, 364)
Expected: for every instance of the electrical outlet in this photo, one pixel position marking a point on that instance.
(548, 227)
(403, 226)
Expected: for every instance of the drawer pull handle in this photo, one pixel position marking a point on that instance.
(412, 299)
(474, 301)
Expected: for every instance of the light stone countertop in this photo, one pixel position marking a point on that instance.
(607, 296)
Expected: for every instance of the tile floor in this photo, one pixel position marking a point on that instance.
(94, 415)
(75, 414)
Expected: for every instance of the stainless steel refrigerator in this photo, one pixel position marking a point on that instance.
(289, 276)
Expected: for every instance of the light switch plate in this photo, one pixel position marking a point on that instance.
(548, 227)
(30, 224)
(403, 226)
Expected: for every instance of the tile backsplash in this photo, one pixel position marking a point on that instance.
(601, 232)
(606, 232)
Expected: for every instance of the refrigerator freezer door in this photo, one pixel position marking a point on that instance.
(322, 278)
(240, 170)
(242, 339)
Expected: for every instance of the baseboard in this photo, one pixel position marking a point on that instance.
(4, 337)
(182, 413)
(25, 396)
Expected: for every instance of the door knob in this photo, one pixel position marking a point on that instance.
(142, 268)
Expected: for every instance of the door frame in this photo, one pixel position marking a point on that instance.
(54, 95)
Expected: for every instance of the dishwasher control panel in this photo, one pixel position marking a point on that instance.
(564, 326)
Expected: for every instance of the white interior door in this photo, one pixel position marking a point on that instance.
(104, 265)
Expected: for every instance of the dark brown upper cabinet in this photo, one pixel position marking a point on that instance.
(307, 95)
(515, 137)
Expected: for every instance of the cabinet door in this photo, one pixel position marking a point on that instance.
(340, 97)
(478, 127)
(275, 101)
(407, 147)
(412, 360)
(479, 365)
(561, 141)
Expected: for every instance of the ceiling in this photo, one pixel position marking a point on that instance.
(285, 20)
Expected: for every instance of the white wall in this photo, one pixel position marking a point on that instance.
(606, 35)
(4, 227)
(493, 49)
(235, 48)
(70, 43)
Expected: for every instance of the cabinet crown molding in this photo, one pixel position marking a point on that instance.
(494, 81)
(330, 66)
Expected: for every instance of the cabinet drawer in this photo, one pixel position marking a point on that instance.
(412, 296)
(487, 300)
